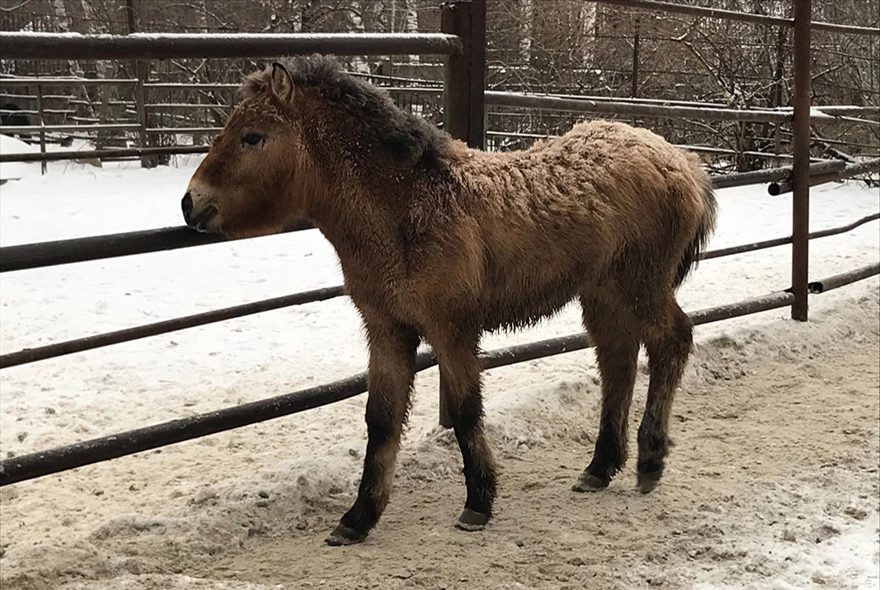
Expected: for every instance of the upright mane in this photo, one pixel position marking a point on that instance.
(407, 138)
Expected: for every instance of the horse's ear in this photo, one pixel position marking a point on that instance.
(280, 83)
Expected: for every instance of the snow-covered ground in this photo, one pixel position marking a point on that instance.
(15, 170)
(109, 390)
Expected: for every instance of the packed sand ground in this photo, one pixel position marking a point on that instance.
(772, 483)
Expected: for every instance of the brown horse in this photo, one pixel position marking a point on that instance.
(441, 242)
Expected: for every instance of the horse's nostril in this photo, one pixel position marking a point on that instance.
(187, 206)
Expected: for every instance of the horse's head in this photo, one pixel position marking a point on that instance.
(246, 185)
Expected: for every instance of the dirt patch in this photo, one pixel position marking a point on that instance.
(772, 483)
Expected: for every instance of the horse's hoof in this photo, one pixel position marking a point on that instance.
(648, 480)
(588, 482)
(471, 520)
(343, 535)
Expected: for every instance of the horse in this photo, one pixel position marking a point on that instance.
(442, 243)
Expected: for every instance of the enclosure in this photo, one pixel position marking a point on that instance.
(265, 504)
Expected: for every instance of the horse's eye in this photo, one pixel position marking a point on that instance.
(252, 139)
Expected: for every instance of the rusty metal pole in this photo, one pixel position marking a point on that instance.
(800, 253)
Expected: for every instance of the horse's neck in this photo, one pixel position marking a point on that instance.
(362, 233)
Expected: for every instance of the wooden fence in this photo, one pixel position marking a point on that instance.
(462, 41)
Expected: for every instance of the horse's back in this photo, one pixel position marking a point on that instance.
(568, 211)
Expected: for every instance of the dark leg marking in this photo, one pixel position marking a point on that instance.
(390, 378)
(669, 342)
(617, 348)
(461, 368)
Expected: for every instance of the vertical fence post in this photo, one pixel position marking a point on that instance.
(800, 256)
(477, 136)
(464, 112)
(142, 72)
(140, 104)
(463, 96)
(42, 119)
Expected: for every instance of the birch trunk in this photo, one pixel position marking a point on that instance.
(527, 10)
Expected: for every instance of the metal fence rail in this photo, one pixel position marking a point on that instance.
(758, 19)
(842, 172)
(57, 252)
(203, 45)
(41, 254)
(533, 101)
(176, 150)
(845, 278)
(44, 463)
(29, 355)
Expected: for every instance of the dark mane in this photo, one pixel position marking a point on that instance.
(407, 138)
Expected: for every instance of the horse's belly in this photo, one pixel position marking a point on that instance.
(511, 305)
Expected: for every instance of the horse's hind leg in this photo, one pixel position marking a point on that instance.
(460, 369)
(614, 333)
(390, 379)
(668, 337)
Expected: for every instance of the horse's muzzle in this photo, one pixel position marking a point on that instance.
(197, 220)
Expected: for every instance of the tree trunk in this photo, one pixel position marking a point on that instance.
(411, 22)
(61, 20)
(587, 19)
(102, 70)
(527, 10)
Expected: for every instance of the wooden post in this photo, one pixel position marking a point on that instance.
(42, 126)
(477, 135)
(142, 71)
(463, 97)
(445, 419)
(800, 234)
(464, 112)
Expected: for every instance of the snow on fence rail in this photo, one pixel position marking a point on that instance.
(464, 107)
(20, 45)
(581, 105)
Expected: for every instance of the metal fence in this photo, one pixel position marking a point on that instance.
(462, 40)
(629, 53)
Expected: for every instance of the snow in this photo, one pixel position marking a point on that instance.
(854, 556)
(16, 170)
(108, 390)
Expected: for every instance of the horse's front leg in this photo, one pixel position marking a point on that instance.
(389, 381)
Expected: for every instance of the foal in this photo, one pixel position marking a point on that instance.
(441, 242)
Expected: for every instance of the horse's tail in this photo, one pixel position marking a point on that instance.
(704, 229)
